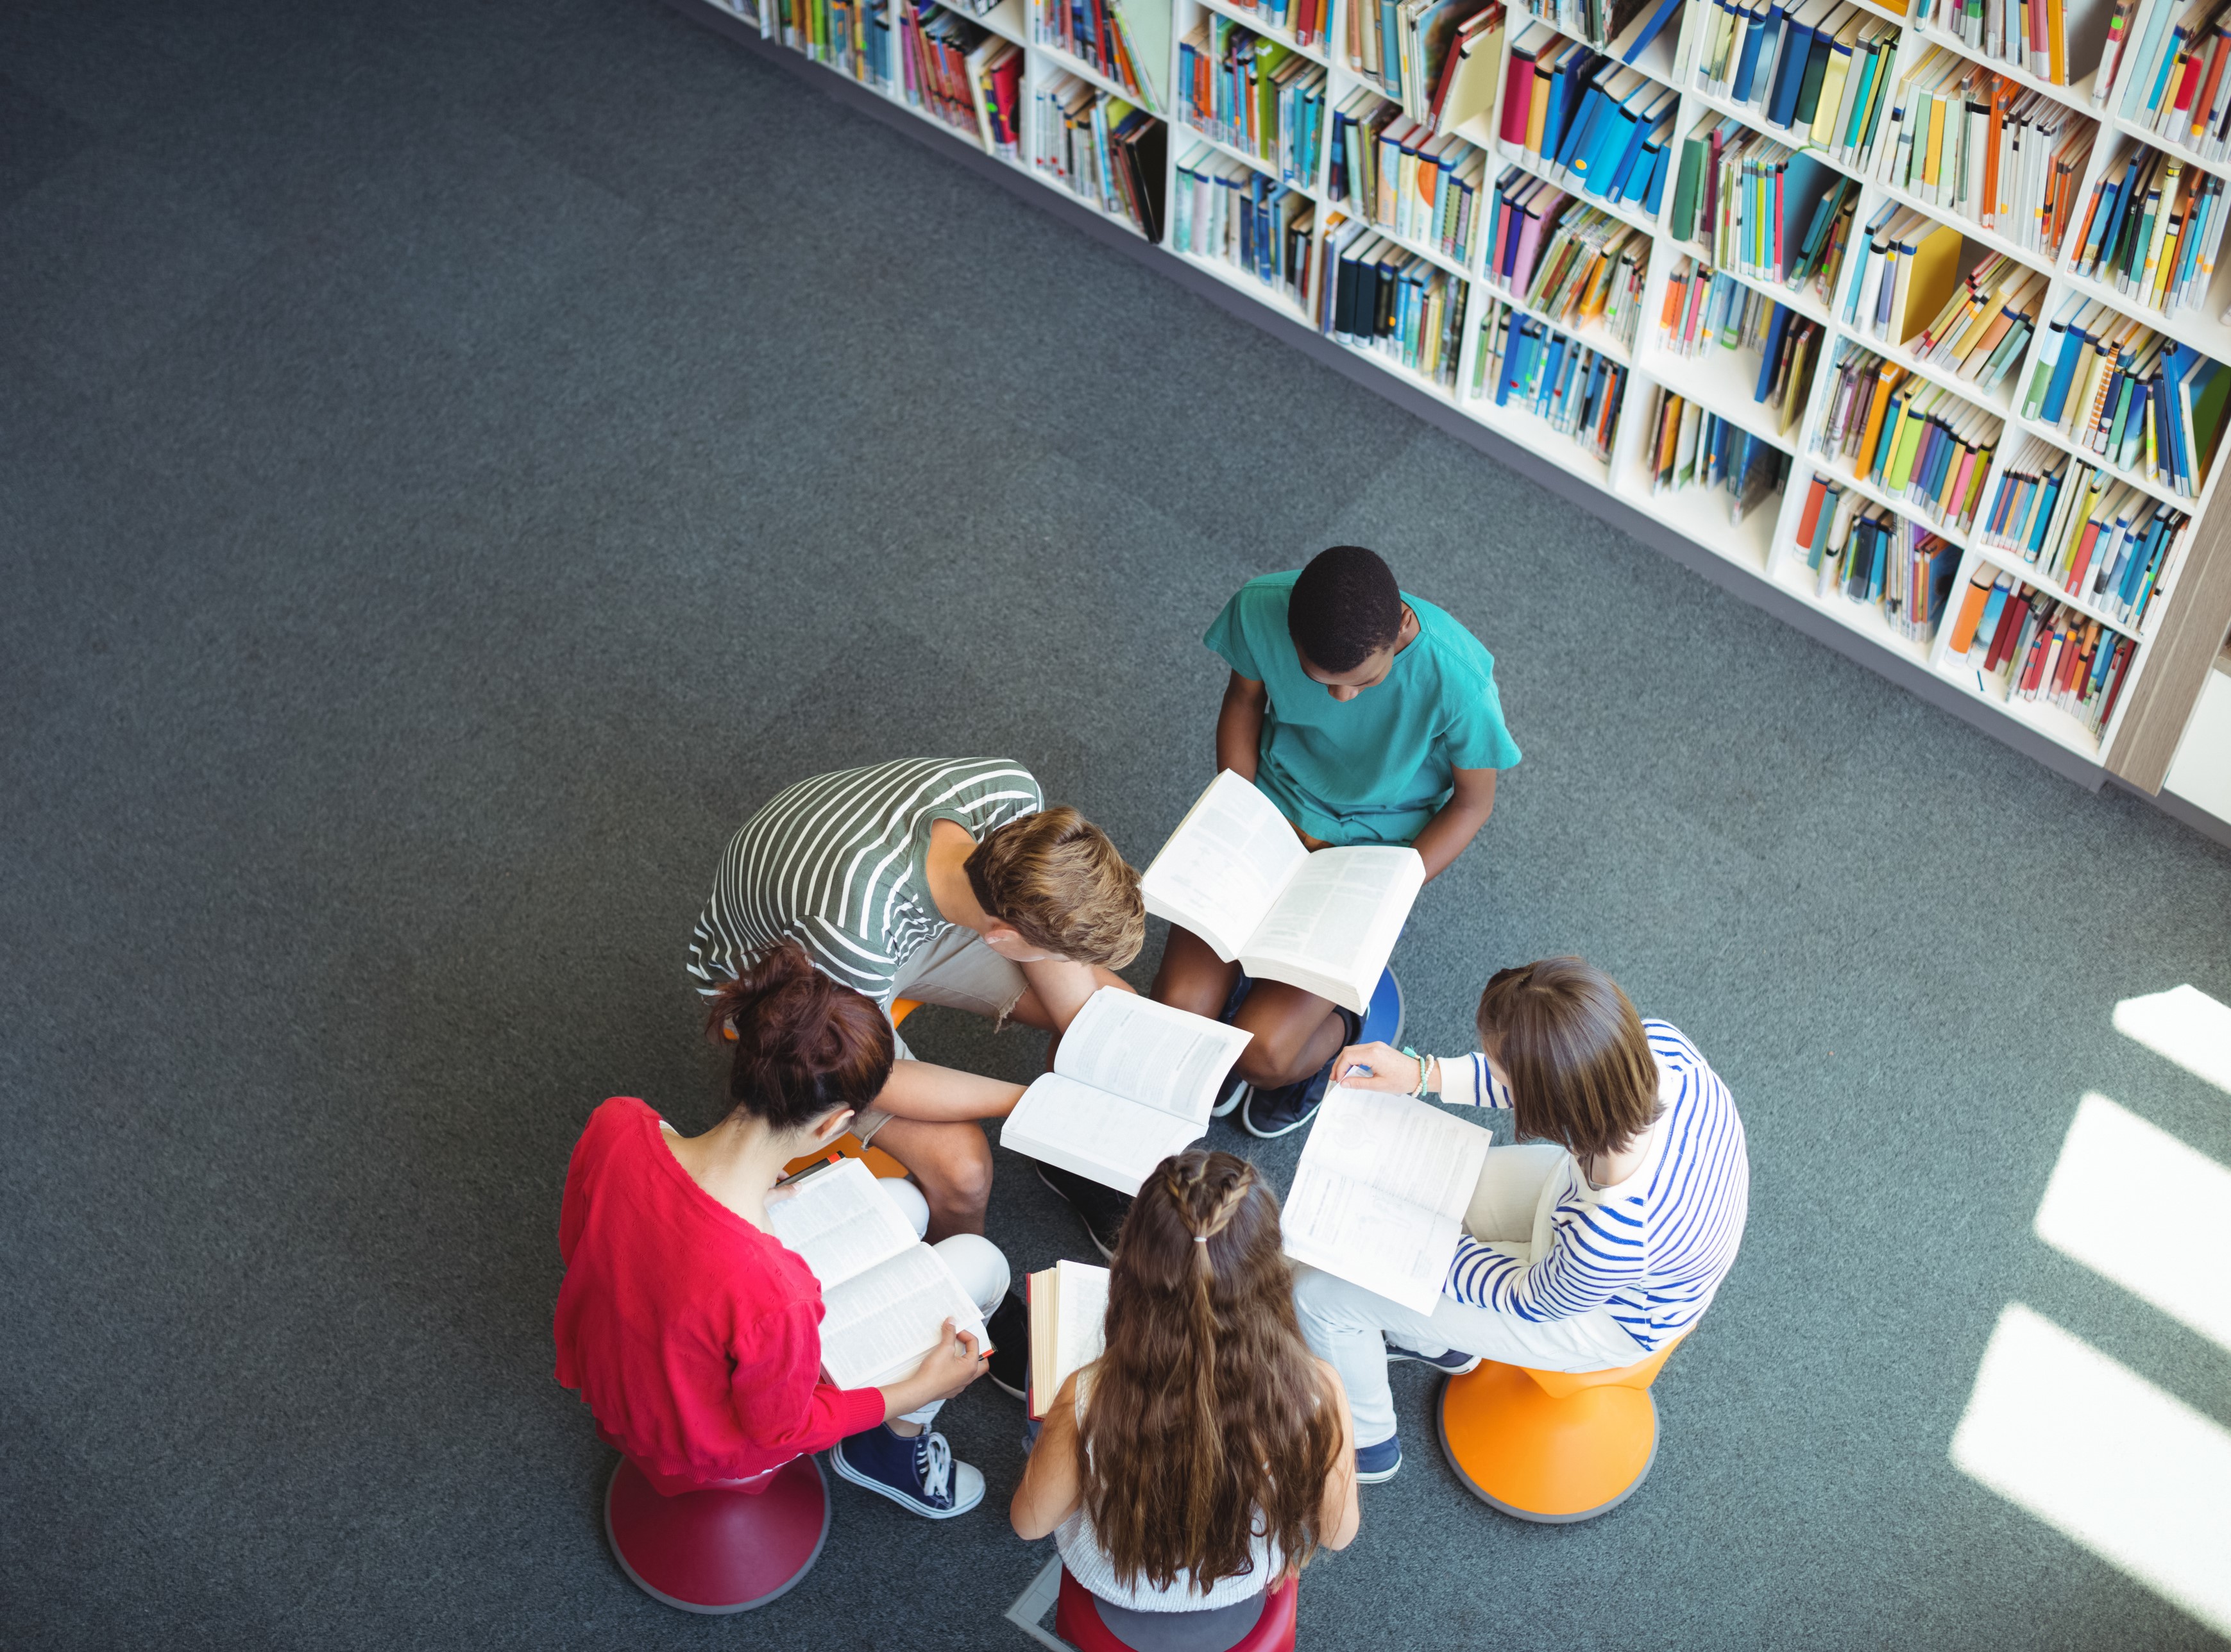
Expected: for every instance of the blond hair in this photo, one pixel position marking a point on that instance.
(1055, 876)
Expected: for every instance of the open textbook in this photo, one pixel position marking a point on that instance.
(1069, 1302)
(1133, 1082)
(1380, 1195)
(1235, 873)
(885, 1295)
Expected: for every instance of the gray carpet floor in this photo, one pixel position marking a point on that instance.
(458, 456)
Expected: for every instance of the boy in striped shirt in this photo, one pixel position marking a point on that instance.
(945, 881)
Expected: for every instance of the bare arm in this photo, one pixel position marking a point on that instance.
(1049, 1493)
(944, 1370)
(925, 1090)
(1339, 1515)
(1458, 821)
(1059, 990)
(1239, 726)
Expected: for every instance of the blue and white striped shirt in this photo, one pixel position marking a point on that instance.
(1652, 1249)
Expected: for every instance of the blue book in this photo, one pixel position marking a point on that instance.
(1789, 73)
(2064, 370)
(1640, 123)
(1666, 13)
(1988, 627)
(1580, 136)
(1765, 21)
(1658, 168)
(1618, 136)
(1770, 351)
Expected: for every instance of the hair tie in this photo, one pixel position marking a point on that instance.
(1201, 1238)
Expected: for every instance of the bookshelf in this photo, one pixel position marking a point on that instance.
(2174, 643)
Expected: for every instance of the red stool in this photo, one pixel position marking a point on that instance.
(721, 1548)
(1076, 1621)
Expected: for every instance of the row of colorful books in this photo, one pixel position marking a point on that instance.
(2152, 231)
(1982, 147)
(1591, 271)
(945, 63)
(2040, 648)
(1913, 440)
(2029, 34)
(1224, 209)
(1386, 299)
(1102, 149)
(1705, 309)
(2094, 536)
(1412, 49)
(2176, 85)
(2114, 387)
(1526, 364)
(1600, 23)
(1765, 211)
(1909, 291)
(1422, 186)
(1596, 125)
(1873, 555)
(1694, 448)
(1818, 73)
(1093, 32)
(1305, 20)
(1262, 98)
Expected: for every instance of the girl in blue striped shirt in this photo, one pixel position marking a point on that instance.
(1586, 1249)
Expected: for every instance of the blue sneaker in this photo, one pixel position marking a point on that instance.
(1453, 1361)
(1382, 1017)
(917, 1473)
(1268, 1114)
(1378, 1463)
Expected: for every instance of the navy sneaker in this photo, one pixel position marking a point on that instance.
(1268, 1114)
(1101, 1209)
(917, 1473)
(1008, 1331)
(1454, 1361)
(1377, 1463)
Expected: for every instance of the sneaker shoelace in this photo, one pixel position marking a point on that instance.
(933, 1467)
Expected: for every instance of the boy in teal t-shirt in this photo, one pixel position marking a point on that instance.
(1368, 716)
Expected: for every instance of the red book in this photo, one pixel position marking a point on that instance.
(1517, 96)
(1806, 523)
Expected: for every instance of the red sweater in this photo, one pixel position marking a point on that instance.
(695, 1337)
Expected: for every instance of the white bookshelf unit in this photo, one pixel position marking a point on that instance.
(2176, 639)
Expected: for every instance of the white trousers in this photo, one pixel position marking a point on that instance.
(1511, 1210)
(979, 1264)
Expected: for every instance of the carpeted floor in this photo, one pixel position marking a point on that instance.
(458, 456)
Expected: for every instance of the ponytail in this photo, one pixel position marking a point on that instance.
(804, 1043)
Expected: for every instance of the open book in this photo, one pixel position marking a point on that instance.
(1235, 874)
(1380, 1195)
(1069, 1300)
(1133, 1082)
(885, 1295)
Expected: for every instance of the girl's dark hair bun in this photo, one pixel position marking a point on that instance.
(804, 1043)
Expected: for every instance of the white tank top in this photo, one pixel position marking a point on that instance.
(1089, 1564)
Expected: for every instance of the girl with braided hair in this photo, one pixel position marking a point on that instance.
(1206, 1455)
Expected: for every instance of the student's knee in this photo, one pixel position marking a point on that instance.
(981, 1265)
(1275, 1055)
(959, 1174)
(1323, 1302)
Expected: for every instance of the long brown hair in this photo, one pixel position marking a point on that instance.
(1207, 1420)
(804, 1043)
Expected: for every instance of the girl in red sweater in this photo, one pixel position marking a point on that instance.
(691, 1332)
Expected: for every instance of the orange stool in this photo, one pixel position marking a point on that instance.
(1552, 1446)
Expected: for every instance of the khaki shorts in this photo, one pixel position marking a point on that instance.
(958, 970)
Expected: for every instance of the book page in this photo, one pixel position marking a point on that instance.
(1380, 1195)
(1224, 865)
(1337, 920)
(1167, 1059)
(1376, 1240)
(1113, 1140)
(878, 1325)
(840, 1222)
(1076, 1304)
(1400, 1145)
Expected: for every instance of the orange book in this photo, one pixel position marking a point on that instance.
(1971, 611)
(1885, 386)
(2000, 100)
(1677, 294)
(1811, 520)
(1669, 436)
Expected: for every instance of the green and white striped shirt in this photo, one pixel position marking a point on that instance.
(836, 863)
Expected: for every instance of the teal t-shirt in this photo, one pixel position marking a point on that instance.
(1376, 768)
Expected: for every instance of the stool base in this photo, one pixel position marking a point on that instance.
(1554, 1461)
(715, 1551)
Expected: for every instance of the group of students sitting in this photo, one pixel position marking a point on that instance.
(1219, 1439)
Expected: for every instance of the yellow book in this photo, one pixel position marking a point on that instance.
(1933, 278)
(1885, 387)
(2056, 41)
(1831, 95)
(1537, 111)
(1938, 109)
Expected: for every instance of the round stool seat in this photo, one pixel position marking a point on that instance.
(1077, 1621)
(718, 1549)
(1554, 1446)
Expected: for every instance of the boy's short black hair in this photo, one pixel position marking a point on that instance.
(1344, 609)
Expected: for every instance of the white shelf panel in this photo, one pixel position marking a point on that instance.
(2145, 484)
(1183, 131)
(2147, 135)
(1969, 229)
(2060, 727)
(1838, 469)
(1593, 334)
(1255, 25)
(2199, 328)
(1085, 71)
(2012, 562)
(1701, 514)
(1232, 276)
(1865, 618)
(2076, 96)
(1719, 380)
